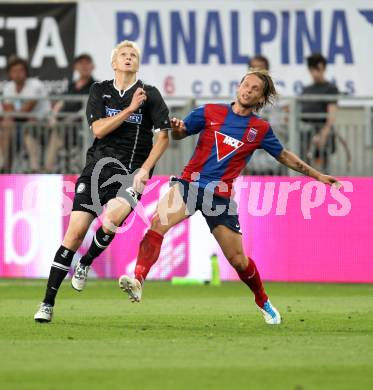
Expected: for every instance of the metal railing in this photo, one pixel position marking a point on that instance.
(349, 147)
(46, 142)
(58, 143)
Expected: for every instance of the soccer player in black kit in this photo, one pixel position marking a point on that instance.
(122, 114)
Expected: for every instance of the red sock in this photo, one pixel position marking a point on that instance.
(150, 248)
(252, 279)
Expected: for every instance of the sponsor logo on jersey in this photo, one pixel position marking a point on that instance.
(111, 111)
(225, 145)
(134, 118)
(252, 134)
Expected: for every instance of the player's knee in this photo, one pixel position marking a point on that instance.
(118, 210)
(238, 261)
(73, 239)
(110, 225)
(157, 225)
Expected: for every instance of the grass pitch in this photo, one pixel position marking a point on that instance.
(187, 337)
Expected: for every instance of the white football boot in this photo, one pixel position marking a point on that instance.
(79, 279)
(44, 313)
(270, 314)
(132, 287)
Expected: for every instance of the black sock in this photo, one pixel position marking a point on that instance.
(100, 242)
(60, 268)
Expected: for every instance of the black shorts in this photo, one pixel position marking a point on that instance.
(216, 209)
(93, 191)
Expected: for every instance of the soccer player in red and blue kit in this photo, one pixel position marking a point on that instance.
(229, 134)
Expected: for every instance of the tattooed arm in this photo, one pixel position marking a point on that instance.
(292, 161)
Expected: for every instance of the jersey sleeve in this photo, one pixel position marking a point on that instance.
(159, 112)
(195, 120)
(333, 90)
(95, 106)
(271, 144)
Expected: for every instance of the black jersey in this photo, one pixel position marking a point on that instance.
(132, 141)
(318, 107)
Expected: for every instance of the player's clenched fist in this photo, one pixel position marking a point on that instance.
(138, 98)
(140, 180)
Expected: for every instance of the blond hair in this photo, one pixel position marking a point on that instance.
(122, 44)
(269, 89)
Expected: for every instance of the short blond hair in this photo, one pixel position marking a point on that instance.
(122, 44)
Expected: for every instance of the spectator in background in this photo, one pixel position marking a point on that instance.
(318, 139)
(259, 62)
(84, 67)
(262, 163)
(20, 85)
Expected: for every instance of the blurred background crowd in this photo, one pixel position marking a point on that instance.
(47, 133)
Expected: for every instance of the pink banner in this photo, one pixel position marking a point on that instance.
(34, 212)
(120, 256)
(30, 228)
(301, 230)
(294, 228)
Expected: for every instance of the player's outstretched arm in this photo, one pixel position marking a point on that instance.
(105, 126)
(178, 129)
(292, 161)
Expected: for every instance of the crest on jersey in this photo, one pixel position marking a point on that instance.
(252, 134)
(225, 145)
